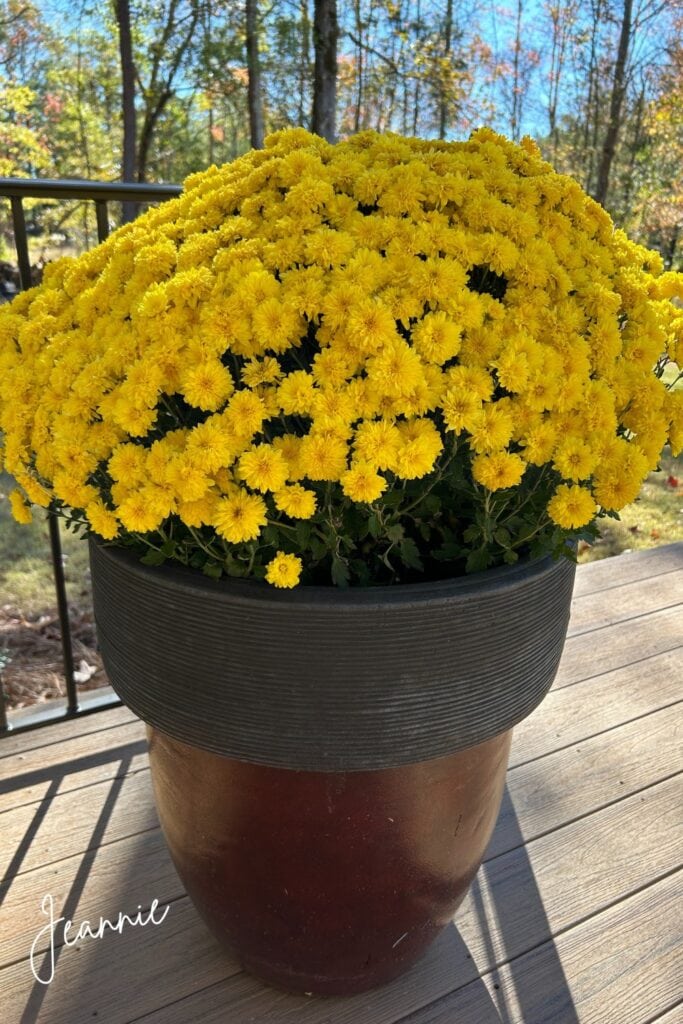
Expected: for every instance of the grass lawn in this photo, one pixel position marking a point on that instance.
(29, 628)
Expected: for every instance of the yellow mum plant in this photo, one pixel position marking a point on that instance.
(378, 361)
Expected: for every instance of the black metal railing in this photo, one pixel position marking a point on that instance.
(101, 193)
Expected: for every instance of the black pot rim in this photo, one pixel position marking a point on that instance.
(322, 679)
(313, 596)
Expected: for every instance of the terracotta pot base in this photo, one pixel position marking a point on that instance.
(324, 882)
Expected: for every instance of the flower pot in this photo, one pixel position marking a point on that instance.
(328, 764)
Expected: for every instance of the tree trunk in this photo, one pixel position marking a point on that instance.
(305, 67)
(128, 209)
(325, 35)
(443, 104)
(516, 108)
(254, 90)
(618, 90)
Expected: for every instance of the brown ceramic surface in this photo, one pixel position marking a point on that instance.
(325, 882)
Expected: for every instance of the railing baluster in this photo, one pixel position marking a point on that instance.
(63, 612)
(21, 241)
(4, 724)
(102, 219)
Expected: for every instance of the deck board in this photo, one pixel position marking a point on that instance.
(573, 918)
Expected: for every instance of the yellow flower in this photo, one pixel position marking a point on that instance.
(571, 506)
(138, 514)
(376, 442)
(363, 483)
(323, 458)
(396, 370)
(492, 427)
(261, 371)
(539, 442)
(102, 520)
(207, 386)
(296, 501)
(574, 459)
(437, 338)
(296, 393)
(284, 570)
(200, 512)
(276, 326)
(245, 413)
(421, 446)
(210, 445)
(21, 510)
(263, 468)
(498, 470)
(371, 326)
(240, 516)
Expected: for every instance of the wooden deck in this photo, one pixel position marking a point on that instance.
(574, 918)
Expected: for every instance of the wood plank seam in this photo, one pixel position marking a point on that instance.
(571, 821)
(622, 622)
(616, 586)
(562, 930)
(55, 741)
(662, 1016)
(606, 672)
(78, 789)
(590, 736)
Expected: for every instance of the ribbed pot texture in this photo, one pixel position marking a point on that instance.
(328, 765)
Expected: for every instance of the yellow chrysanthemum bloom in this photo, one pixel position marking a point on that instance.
(323, 458)
(284, 570)
(102, 520)
(239, 517)
(21, 510)
(571, 506)
(362, 483)
(574, 459)
(263, 468)
(296, 501)
(207, 385)
(498, 470)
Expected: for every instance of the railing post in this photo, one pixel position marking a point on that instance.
(102, 219)
(4, 724)
(21, 242)
(63, 612)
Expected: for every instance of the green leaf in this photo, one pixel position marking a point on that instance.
(395, 532)
(270, 535)
(392, 499)
(471, 534)
(212, 570)
(303, 534)
(153, 557)
(374, 526)
(360, 570)
(510, 557)
(448, 552)
(318, 548)
(340, 572)
(478, 560)
(410, 553)
(502, 537)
